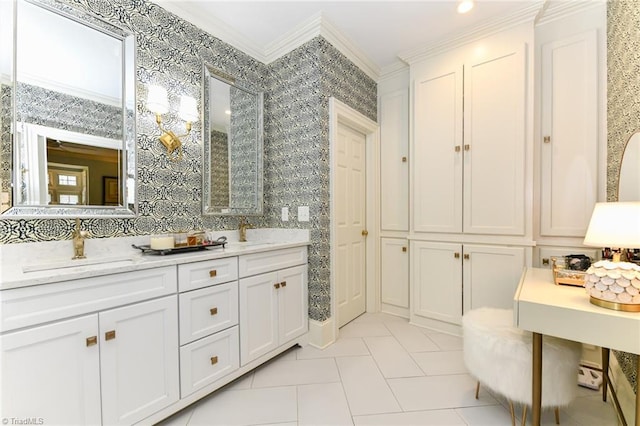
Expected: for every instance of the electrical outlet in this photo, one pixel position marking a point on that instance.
(285, 214)
(303, 214)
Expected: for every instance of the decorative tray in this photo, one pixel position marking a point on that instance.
(146, 248)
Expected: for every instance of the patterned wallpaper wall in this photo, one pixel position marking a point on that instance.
(623, 105)
(297, 87)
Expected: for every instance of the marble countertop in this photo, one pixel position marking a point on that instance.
(52, 259)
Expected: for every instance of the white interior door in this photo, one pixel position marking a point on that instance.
(350, 214)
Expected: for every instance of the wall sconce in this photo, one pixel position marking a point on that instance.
(157, 102)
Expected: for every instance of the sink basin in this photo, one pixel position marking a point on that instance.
(69, 263)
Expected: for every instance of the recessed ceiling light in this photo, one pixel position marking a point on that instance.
(465, 6)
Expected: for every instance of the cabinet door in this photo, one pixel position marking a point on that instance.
(394, 167)
(258, 316)
(139, 360)
(494, 143)
(491, 275)
(292, 303)
(52, 372)
(394, 271)
(436, 280)
(437, 149)
(570, 135)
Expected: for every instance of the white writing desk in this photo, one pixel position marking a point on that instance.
(544, 308)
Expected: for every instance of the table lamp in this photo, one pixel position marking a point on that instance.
(614, 284)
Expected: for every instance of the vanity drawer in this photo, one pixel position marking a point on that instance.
(208, 310)
(258, 263)
(207, 360)
(23, 307)
(196, 275)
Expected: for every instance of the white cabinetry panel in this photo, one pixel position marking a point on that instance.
(394, 165)
(394, 271)
(51, 373)
(570, 134)
(206, 273)
(258, 316)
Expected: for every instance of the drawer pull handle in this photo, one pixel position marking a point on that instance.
(214, 360)
(466, 256)
(93, 340)
(545, 261)
(404, 249)
(213, 311)
(283, 284)
(110, 335)
(277, 285)
(213, 273)
(456, 255)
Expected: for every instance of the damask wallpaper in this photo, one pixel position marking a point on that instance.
(623, 106)
(297, 87)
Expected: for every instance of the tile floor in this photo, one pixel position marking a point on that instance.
(381, 371)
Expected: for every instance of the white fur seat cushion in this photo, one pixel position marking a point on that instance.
(499, 355)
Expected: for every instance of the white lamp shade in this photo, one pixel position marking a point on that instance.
(157, 100)
(188, 108)
(615, 225)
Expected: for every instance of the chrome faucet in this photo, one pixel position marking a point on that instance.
(242, 229)
(78, 241)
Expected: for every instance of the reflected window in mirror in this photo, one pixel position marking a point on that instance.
(232, 177)
(73, 91)
(629, 178)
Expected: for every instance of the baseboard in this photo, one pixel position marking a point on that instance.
(394, 310)
(624, 391)
(321, 333)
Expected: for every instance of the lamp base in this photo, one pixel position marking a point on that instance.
(616, 306)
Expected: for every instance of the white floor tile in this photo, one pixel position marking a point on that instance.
(411, 338)
(240, 383)
(438, 392)
(445, 342)
(247, 407)
(413, 418)
(353, 346)
(590, 411)
(439, 363)
(364, 329)
(367, 391)
(296, 372)
(490, 415)
(379, 317)
(323, 404)
(392, 359)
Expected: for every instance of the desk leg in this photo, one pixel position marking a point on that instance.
(537, 378)
(605, 372)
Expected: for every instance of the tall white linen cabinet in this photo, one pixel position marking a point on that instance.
(504, 140)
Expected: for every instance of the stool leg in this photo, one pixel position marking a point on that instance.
(557, 413)
(524, 415)
(477, 388)
(513, 414)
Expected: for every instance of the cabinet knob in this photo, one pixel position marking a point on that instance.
(283, 284)
(214, 360)
(213, 273)
(404, 249)
(546, 139)
(545, 261)
(456, 255)
(277, 285)
(457, 148)
(365, 232)
(213, 311)
(110, 335)
(93, 340)
(404, 159)
(466, 256)
(467, 147)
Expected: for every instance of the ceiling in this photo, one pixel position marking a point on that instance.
(375, 31)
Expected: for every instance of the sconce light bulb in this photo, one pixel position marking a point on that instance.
(188, 109)
(157, 100)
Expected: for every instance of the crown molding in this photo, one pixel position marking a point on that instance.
(554, 10)
(393, 70)
(455, 40)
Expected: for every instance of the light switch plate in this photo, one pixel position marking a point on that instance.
(285, 214)
(303, 214)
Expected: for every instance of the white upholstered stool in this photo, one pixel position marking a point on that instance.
(499, 356)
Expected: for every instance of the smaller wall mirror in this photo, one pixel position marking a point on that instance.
(629, 179)
(232, 148)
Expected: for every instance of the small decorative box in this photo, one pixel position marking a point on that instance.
(564, 276)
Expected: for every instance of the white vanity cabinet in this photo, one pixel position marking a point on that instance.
(273, 300)
(208, 322)
(116, 363)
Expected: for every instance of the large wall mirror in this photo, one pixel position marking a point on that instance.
(232, 149)
(68, 85)
(629, 178)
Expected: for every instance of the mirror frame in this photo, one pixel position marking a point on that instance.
(625, 153)
(128, 152)
(209, 72)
